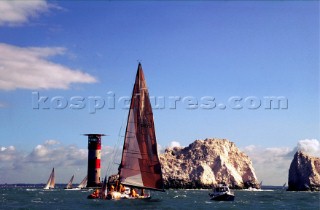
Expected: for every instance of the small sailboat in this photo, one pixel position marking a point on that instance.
(69, 185)
(140, 167)
(83, 183)
(221, 192)
(51, 181)
(284, 186)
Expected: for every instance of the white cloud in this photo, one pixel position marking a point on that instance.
(37, 164)
(51, 153)
(174, 144)
(20, 12)
(39, 152)
(160, 149)
(271, 164)
(28, 68)
(309, 146)
(7, 154)
(249, 148)
(10, 148)
(51, 142)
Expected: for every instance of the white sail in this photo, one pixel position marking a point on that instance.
(69, 185)
(83, 183)
(51, 181)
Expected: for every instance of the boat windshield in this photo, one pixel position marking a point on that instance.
(221, 189)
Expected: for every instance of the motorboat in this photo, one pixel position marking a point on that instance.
(221, 192)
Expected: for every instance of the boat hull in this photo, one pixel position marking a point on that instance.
(223, 197)
(120, 198)
(134, 198)
(92, 197)
(72, 189)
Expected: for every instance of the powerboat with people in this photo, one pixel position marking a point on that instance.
(221, 192)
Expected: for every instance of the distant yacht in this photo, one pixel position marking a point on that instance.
(69, 185)
(51, 181)
(83, 183)
(81, 186)
(284, 186)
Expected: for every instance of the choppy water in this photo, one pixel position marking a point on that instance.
(36, 198)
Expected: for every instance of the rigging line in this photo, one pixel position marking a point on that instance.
(117, 147)
(111, 166)
(112, 154)
(115, 150)
(120, 138)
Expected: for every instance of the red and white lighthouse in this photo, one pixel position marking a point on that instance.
(94, 160)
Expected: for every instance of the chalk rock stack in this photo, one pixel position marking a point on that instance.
(304, 173)
(205, 163)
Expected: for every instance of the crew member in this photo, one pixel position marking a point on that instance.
(133, 193)
(122, 188)
(111, 188)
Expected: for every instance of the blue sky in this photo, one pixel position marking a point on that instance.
(187, 49)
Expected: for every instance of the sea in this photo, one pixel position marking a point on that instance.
(34, 197)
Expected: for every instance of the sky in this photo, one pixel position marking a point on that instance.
(244, 71)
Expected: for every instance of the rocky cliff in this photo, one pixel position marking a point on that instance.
(304, 173)
(205, 163)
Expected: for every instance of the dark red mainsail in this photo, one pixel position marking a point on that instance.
(140, 165)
